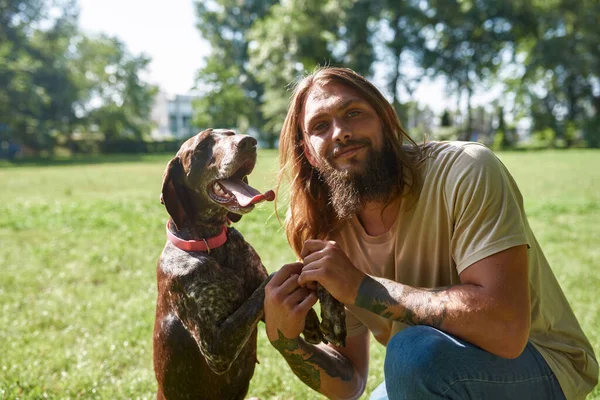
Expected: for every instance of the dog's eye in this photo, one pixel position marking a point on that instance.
(203, 145)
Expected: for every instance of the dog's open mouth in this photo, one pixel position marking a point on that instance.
(235, 193)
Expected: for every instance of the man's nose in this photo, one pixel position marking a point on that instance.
(341, 131)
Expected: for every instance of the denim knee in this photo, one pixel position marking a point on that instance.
(422, 362)
(411, 361)
(403, 352)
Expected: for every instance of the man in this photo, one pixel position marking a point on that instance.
(428, 247)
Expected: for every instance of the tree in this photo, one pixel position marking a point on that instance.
(298, 35)
(36, 86)
(113, 100)
(294, 37)
(562, 68)
(405, 21)
(54, 80)
(226, 104)
(446, 122)
(356, 26)
(466, 40)
(231, 94)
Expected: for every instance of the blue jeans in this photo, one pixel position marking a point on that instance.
(424, 363)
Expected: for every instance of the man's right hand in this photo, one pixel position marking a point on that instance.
(287, 303)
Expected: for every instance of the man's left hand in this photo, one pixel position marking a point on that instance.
(325, 262)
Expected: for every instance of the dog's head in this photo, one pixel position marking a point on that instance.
(209, 178)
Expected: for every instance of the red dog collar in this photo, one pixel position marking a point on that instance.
(198, 245)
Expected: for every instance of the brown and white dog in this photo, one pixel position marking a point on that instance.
(210, 280)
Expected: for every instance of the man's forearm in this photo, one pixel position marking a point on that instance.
(463, 310)
(322, 368)
(403, 303)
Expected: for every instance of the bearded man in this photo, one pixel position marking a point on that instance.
(429, 248)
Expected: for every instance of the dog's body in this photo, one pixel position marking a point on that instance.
(211, 300)
(205, 328)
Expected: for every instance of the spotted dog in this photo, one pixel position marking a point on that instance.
(210, 280)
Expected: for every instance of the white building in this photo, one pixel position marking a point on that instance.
(172, 116)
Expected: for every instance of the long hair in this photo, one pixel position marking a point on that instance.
(310, 215)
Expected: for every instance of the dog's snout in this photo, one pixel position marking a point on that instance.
(247, 143)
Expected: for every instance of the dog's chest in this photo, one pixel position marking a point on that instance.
(238, 276)
(218, 283)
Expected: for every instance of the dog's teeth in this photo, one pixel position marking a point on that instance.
(220, 191)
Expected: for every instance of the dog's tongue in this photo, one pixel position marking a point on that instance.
(246, 194)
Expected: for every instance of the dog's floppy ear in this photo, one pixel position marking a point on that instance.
(173, 192)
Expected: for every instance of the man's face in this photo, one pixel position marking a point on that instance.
(344, 142)
(341, 128)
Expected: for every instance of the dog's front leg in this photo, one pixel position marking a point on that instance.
(204, 309)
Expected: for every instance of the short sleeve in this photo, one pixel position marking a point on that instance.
(485, 206)
(353, 325)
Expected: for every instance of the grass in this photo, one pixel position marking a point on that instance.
(79, 241)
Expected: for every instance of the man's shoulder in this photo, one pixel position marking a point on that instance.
(450, 164)
(450, 149)
(456, 156)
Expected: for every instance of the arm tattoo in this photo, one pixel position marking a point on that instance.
(319, 360)
(402, 303)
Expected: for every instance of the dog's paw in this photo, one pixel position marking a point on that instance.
(312, 334)
(333, 315)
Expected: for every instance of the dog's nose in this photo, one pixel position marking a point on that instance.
(247, 143)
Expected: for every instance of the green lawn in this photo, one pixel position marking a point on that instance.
(78, 249)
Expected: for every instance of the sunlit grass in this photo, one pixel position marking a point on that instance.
(78, 250)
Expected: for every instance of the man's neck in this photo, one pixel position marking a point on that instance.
(377, 218)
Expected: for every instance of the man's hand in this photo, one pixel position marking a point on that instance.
(287, 303)
(325, 262)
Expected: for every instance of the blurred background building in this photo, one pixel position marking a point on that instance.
(172, 116)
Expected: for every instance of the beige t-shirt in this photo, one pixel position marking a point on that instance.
(469, 208)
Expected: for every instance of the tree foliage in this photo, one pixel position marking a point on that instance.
(36, 87)
(58, 85)
(113, 100)
(231, 94)
(561, 82)
(271, 44)
(54, 80)
(294, 37)
(544, 53)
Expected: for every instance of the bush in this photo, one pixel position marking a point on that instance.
(134, 146)
(591, 133)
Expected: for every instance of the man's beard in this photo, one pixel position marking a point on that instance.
(350, 191)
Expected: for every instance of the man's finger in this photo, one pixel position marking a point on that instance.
(310, 246)
(289, 285)
(284, 273)
(307, 276)
(308, 302)
(316, 263)
(297, 296)
(313, 257)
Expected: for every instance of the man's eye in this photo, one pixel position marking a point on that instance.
(320, 127)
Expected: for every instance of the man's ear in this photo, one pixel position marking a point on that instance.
(307, 150)
(173, 194)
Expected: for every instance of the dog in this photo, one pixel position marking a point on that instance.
(210, 281)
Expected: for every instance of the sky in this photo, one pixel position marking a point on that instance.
(166, 32)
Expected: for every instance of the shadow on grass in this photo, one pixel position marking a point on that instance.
(86, 160)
